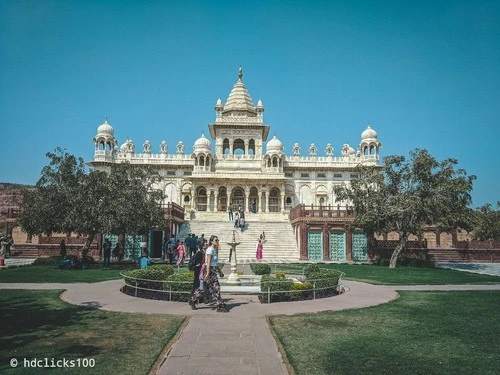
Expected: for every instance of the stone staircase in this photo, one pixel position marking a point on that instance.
(279, 238)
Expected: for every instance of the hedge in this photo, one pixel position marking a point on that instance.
(319, 283)
(260, 268)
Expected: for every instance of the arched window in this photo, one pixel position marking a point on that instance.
(251, 147)
(225, 146)
(238, 147)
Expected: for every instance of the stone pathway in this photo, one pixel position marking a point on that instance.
(237, 342)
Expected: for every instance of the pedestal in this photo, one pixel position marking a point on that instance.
(233, 278)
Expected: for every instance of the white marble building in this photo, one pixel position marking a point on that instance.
(241, 168)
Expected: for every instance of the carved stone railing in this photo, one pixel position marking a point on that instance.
(312, 211)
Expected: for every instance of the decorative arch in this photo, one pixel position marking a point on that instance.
(239, 147)
(170, 194)
(225, 147)
(238, 197)
(305, 195)
(251, 147)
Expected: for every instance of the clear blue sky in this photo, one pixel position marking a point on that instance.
(425, 74)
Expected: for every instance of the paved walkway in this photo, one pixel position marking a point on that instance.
(237, 342)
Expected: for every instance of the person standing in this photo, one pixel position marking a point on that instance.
(230, 213)
(258, 253)
(197, 290)
(212, 271)
(181, 254)
(106, 251)
(144, 260)
(192, 245)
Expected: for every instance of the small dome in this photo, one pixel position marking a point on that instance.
(274, 145)
(369, 133)
(202, 144)
(106, 129)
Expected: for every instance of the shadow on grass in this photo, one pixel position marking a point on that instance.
(28, 319)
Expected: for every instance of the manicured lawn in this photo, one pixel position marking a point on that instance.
(420, 333)
(37, 324)
(401, 275)
(51, 274)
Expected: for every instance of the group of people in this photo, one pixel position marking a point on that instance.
(178, 251)
(238, 216)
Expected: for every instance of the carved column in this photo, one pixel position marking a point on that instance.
(260, 206)
(216, 202)
(247, 199)
(283, 201)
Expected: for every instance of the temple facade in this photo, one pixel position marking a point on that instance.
(235, 163)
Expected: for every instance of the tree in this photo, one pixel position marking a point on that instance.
(67, 199)
(407, 195)
(486, 223)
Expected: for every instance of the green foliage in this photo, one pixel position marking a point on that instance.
(280, 275)
(68, 199)
(47, 261)
(407, 195)
(311, 268)
(180, 284)
(383, 262)
(486, 224)
(273, 287)
(324, 281)
(153, 277)
(301, 290)
(260, 268)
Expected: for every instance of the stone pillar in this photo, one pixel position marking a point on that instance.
(348, 244)
(247, 200)
(216, 203)
(282, 203)
(262, 206)
(438, 238)
(246, 148)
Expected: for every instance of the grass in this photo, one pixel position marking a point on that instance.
(401, 275)
(37, 324)
(420, 333)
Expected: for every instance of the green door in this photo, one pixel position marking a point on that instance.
(337, 246)
(359, 247)
(315, 245)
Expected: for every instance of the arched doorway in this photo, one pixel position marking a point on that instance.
(253, 204)
(238, 198)
(222, 197)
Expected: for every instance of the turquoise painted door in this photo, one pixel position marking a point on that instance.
(359, 247)
(315, 245)
(337, 246)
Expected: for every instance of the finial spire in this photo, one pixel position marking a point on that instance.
(240, 73)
